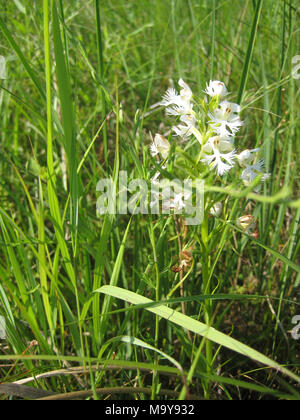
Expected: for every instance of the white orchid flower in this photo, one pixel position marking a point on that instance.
(251, 172)
(225, 120)
(185, 131)
(216, 88)
(160, 146)
(178, 104)
(219, 153)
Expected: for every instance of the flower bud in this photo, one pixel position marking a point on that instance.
(246, 222)
(216, 209)
(246, 157)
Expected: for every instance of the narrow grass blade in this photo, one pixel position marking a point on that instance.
(68, 118)
(42, 264)
(248, 58)
(101, 75)
(113, 280)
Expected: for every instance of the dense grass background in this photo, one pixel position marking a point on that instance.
(73, 65)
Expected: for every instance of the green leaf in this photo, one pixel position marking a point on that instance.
(197, 327)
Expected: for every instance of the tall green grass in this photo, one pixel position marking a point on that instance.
(81, 77)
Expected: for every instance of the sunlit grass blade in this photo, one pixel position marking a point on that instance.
(42, 264)
(68, 118)
(197, 327)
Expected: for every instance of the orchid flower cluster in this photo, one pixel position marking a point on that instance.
(213, 122)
